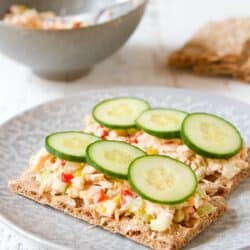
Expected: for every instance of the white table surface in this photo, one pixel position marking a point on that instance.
(166, 25)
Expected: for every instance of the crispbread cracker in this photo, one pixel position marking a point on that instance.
(175, 239)
(228, 186)
(219, 48)
(235, 182)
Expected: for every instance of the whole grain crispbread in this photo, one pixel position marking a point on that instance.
(218, 48)
(231, 185)
(178, 236)
(228, 186)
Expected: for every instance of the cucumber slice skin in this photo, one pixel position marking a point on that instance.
(146, 197)
(160, 134)
(113, 126)
(206, 153)
(107, 172)
(103, 170)
(62, 155)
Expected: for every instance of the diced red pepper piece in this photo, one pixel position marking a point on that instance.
(77, 25)
(133, 139)
(167, 142)
(63, 162)
(126, 196)
(99, 196)
(66, 178)
(127, 192)
(104, 134)
(171, 142)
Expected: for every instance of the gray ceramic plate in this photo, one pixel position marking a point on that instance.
(23, 135)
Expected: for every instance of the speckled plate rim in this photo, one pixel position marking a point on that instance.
(135, 89)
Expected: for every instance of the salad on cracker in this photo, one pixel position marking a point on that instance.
(155, 175)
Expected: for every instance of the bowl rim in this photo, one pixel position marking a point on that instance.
(137, 4)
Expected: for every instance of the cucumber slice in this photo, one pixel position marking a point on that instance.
(210, 135)
(119, 112)
(162, 123)
(162, 179)
(69, 145)
(112, 157)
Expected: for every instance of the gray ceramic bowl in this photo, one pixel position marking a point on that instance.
(67, 54)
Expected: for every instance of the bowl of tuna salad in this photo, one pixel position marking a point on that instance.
(63, 40)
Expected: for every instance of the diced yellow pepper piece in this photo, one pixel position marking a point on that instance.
(147, 217)
(117, 200)
(179, 216)
(151, 151)
(131, 131)
(79, 173)
(101, 209)
(121, 132)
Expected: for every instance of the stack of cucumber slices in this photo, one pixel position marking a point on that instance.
(157, 178)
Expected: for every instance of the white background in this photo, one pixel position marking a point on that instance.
(166, 25)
